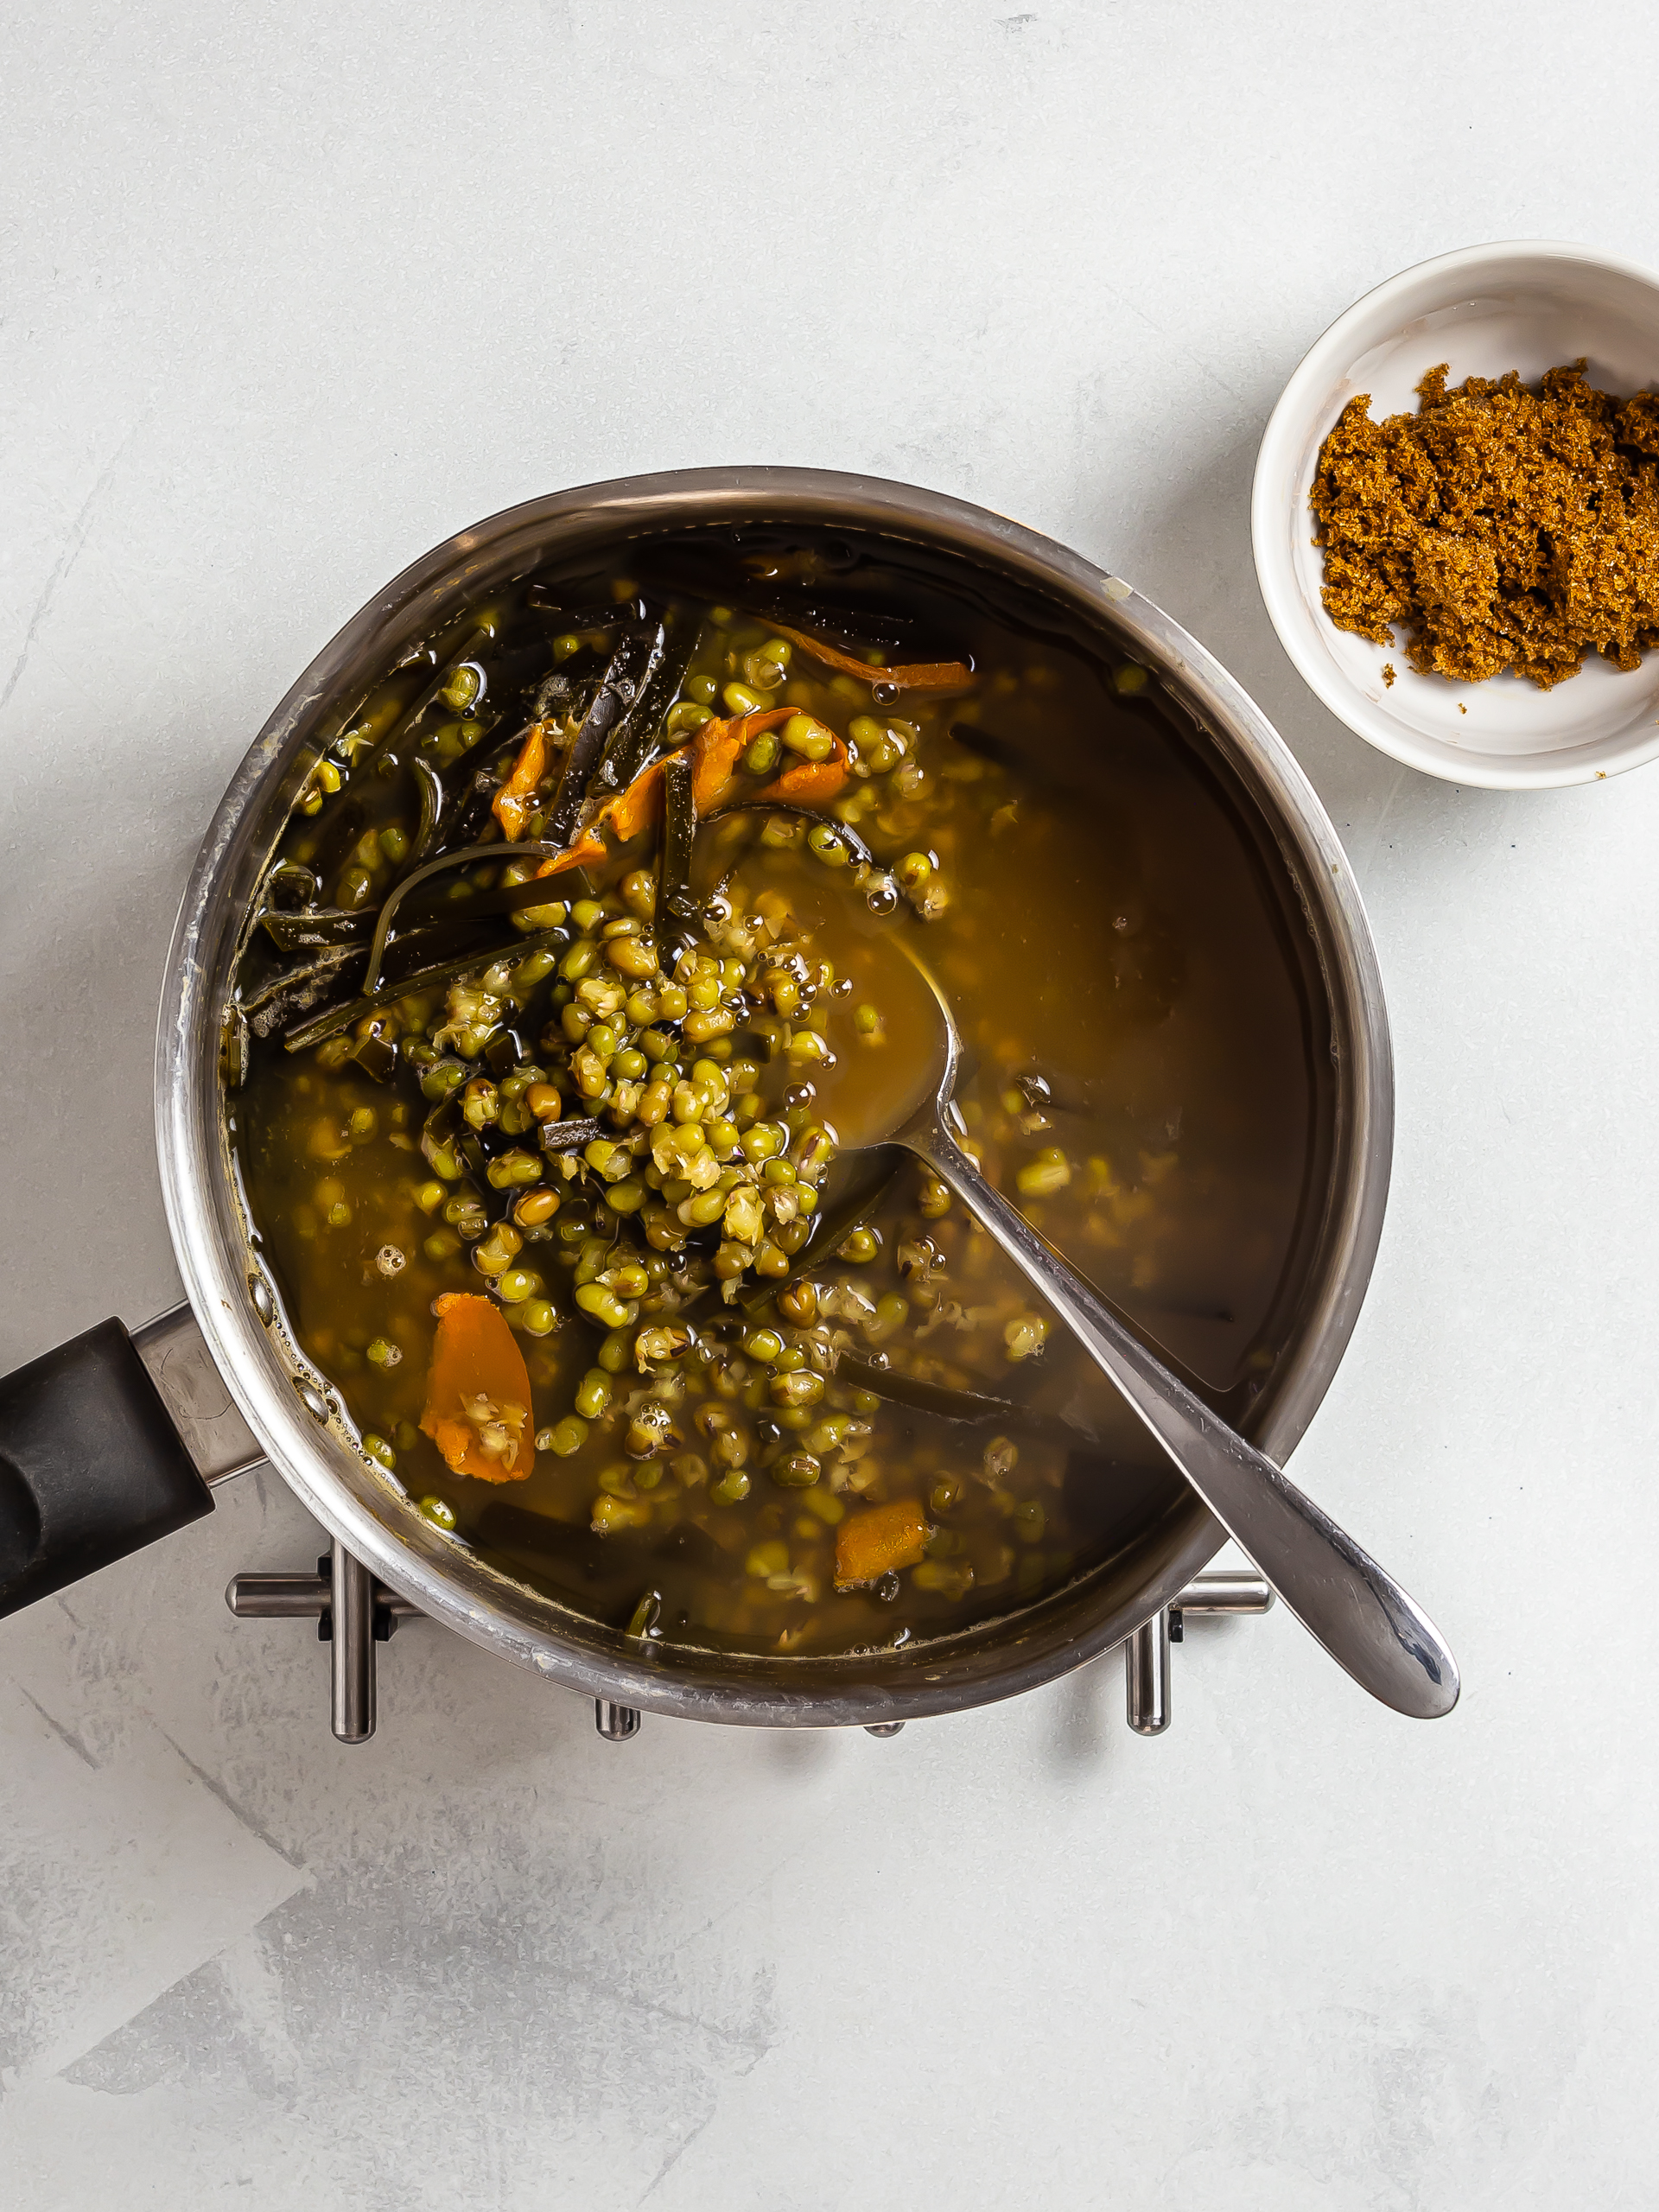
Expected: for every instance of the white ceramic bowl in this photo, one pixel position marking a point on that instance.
(1527, 305)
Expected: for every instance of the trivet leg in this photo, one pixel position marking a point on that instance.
(1146, 1675)
(351, 1648)
(615, 1723)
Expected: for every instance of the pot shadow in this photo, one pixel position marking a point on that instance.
(1084, 1715)
(801, 1753)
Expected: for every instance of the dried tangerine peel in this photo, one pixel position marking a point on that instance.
(514, 802)
(912, 675)
(478, 1397)
(879, 1542)
(714, 753)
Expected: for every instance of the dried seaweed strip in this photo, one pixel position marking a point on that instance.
(322, 925)
(948, 1404)
(677, 905)
(423, 979)
(299, 990)
(831, 1226)
(459, 910)
(423, 698)
(569, 1136)
(630, 742)
(613, 696)
(430, 787)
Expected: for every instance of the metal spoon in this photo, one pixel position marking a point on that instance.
(1355, 1609)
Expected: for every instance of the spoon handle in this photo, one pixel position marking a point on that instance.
(1355, 1610)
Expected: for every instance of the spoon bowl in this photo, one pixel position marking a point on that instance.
(869, 1095)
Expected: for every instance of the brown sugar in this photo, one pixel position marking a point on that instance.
(1503, 526)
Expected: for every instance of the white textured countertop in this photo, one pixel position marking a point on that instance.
(290, 293)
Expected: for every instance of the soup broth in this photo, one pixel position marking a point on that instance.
(600, 1135)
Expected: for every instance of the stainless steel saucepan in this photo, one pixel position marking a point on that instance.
(113, 1440)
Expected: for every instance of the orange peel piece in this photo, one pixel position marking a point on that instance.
(912, 675)
(878, 1541)
(714, 753)
(514, 802)
(478, 1402)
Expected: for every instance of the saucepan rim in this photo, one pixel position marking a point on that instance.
(299, 1419)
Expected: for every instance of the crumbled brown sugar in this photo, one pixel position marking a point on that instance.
(1503, 526)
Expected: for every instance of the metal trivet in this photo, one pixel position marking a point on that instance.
(353, 1612)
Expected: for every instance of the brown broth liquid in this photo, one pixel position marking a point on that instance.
(1138, 1021)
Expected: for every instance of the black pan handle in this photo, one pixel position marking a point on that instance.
(94, 1458)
